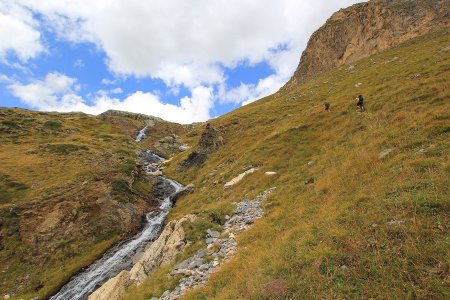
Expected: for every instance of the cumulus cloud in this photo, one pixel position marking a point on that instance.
(183, 43)
(58, 92)
(18, 33)
(44, 94)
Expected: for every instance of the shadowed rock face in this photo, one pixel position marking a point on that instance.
(210, 141)
(365, 29)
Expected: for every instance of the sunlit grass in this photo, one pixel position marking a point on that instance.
(367, 227)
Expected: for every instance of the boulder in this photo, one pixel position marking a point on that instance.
(188, 189)
(238, 178)
(384, 153)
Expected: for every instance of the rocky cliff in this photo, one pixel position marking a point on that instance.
(365, 29)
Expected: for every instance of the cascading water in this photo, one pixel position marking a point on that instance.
(121, 256)
(141, 134)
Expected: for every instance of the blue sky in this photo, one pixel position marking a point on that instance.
(184, 61)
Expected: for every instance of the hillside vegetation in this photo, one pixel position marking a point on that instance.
(69, 189)
(374, 222)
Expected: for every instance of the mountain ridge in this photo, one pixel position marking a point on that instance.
(364, 29)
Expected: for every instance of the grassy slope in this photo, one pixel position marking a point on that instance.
(60, 185)
(330, 239)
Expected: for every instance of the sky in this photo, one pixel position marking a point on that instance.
(183, 61)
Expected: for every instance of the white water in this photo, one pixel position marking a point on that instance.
(141, 135)
(119, 257)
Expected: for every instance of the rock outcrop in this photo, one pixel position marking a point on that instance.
(221, 246)
(171, 242)
(210, 141)
(365, 29)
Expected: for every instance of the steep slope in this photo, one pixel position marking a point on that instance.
(361, 204)
(365, 29)
(70, 187)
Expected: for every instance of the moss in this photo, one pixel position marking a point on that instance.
(120, 186)
(65, 149)
(127, 168)
(10, 123)
(53, 125)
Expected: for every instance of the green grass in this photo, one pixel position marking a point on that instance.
(335, 238)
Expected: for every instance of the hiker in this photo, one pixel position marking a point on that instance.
(326, 106)
(360, 103)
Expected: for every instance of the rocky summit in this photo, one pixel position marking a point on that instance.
(365, 29)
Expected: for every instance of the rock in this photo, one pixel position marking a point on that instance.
(310, 163)
(239, 178)
(213, 233)
(170, 144)
(396, 222)
(6, 296)
(201, 253)
(445, 49)
(271, 173)
(385, 153)
(162, 189)
(188, 189)
(365, 29)
(155, 173)
(183, 148)
(196, 263)
(162, 251)
(194, 270)
(184, 264)
(309, 181)
(210, 141)
(358, 84)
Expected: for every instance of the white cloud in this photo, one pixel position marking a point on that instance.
(189, 43)
(183, 42)
(43, 94)
(18, 33)
(5, 79)
(247, 93)
(106, 81)
(58, 92)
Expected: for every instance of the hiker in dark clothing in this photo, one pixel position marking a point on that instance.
(360, 103)
(326, 106)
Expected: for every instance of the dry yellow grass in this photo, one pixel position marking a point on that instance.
(335, 238)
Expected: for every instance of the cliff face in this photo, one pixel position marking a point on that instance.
(365, 29)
